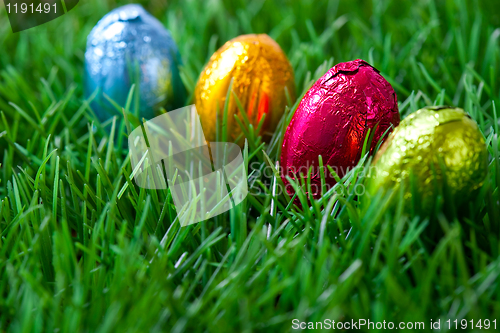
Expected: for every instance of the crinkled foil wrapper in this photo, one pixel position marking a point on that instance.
(416, 147)
(128, 45)
(260, 72)
(333, 120)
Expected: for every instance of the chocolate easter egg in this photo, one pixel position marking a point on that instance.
(333, 120)
(260, 72)
(432, 147)
(129, 46)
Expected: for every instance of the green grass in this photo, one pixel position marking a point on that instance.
(82, 248)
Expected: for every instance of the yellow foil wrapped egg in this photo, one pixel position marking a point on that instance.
(424, 144)
(260, 72)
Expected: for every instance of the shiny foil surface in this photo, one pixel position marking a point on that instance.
(333, 120)
(128, 45)
(416, 147)
(260, 72)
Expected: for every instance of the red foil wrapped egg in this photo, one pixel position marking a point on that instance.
(333, 119)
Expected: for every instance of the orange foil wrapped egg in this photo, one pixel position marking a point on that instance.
(260, 72)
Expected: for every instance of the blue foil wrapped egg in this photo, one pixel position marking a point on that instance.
(127, 46)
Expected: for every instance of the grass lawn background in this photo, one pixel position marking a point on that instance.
(84, 249)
